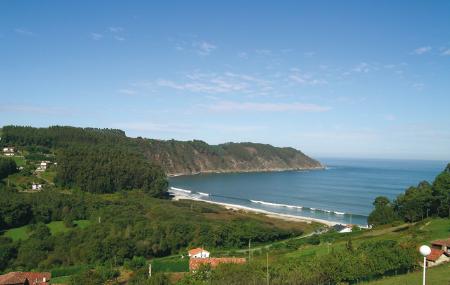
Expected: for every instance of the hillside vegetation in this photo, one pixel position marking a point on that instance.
(175, 157)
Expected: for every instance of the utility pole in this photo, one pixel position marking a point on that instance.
(267, 267)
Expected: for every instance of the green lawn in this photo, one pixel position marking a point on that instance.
(60, 280)
(439, 275)
(21, 233)
(170, 264)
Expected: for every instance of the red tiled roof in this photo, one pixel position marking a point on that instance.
(195, 263)
(196, 250)
(441, 242)
(435, 254)
(34, 278)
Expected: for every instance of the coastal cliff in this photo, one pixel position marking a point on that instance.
(174, 157)
(192, 157)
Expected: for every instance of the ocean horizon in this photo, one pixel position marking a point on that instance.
(343, 192)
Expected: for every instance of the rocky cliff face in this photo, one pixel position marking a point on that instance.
(192, 157)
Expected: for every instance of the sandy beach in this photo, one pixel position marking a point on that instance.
(179, 195)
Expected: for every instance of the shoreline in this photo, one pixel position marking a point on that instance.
(322, 167)
(286, 217)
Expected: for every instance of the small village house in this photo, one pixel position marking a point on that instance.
(25, 278)
(436, 257)
(198, 253)
(36, 186)
(442, 244)
(8, 151)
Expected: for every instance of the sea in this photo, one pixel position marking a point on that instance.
(343, 192)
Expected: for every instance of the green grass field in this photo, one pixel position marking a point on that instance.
(439, 275)
(57, 227)
(170, 264)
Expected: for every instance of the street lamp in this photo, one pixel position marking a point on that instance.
(425, 250)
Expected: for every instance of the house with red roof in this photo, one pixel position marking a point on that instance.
(436, 257)
(25, 278)
(198, 253)
(442, 244)
(213, 262)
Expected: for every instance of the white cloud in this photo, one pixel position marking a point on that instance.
(115, 29)
(418, 86)
(421, 50)
(204, 48)
(362, 68)
(96, 36)
(304, 78)
(126, 91)
(119, 38)
(390, 117)
(446, 52)
(229, 106)
(24, 32)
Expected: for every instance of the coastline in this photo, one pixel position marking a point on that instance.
(220, 171)
(291, 218)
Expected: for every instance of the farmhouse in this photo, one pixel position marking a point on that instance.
(36, 186)
(8, 151)
(436, 257)
(442, 244)
(198, 253)
(196, 263)
(25, 278)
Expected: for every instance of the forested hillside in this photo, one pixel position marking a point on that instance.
(175, 157)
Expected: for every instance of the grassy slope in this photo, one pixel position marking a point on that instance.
(57, 227)
(439, 275)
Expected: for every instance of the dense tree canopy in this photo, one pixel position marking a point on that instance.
(7, 167)
(416, 203)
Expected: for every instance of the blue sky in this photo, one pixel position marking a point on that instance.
(364, 79)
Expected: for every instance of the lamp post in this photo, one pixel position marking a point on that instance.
(425, 250)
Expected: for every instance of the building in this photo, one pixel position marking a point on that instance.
(25, 278)
(36, 186)
(196, 263)
(442, 244)
(436, 257)
(43, 166)
(8, 151)
(343, 228)
(198, 253)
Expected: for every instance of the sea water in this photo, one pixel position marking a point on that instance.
(342, 192)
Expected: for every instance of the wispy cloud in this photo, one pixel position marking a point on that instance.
(96, 36)
(115, 29)
(304, 78)
(119, 38)
(362, 67)
(24, 32)
(390, 117)
(421, 50)
(230, 106)
(204, 47)
(213, 83)
(127, 91)
(446, 52)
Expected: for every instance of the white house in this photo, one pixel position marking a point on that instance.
(8, 151)
(43, 166)
(198, 253)
(343, 228)
(35, 186)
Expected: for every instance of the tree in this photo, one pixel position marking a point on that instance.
(383, 212)
(7, 167)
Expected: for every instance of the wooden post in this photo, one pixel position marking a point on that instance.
(249, 245)
(150, 270)
(267, 267)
